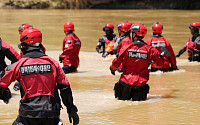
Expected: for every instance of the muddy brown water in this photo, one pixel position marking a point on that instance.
(173, 98)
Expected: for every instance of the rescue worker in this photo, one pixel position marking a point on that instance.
(16, 87)
(124, 38)
(159, 42)
(124, 35)
(135, 59)
(71, 48)
(107, 41)
(192, 44)
(6, 51)
(40, 77)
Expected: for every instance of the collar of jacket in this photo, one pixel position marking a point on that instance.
(138, 42)
(70, 33)
(33, 52)
(157, 35)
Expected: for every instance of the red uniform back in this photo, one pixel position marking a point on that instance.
(135, 59)
(160, 42)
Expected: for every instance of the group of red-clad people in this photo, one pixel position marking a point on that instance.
(134, 56)
(40, 77)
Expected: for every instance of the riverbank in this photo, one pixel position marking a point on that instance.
(100, 4)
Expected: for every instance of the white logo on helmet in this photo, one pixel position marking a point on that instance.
(135, 28)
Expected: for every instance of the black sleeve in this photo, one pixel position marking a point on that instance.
(67, 99)
(100, 44)
(180, 52)
(11, 56)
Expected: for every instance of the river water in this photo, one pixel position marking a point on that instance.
(173, 98)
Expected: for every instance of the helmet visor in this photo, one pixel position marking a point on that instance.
(194, 31)
(20, 28)
(119, 26)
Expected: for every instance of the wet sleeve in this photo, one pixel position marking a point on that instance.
(100, 44)
(117, 61)
(8, 77)
(197, 43)
(119, 47)
(68, 47)
(65, 91)
(12, 55)
(172, 57)
(116, 43)
(185, 46)
(155, 56)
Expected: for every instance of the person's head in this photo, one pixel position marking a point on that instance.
(108, 29)
(194, 28)
(123, 28)
(68, 27)
(157, 28)
(30, 37)
(138, 31)
(23, 27)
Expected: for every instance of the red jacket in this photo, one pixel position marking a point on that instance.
(71, 48)
(125, 41)
(7, 51)
(135, 59)
(38, 75)
(158, 42)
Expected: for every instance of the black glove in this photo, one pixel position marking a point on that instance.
(105, 54)
(16, 87)
(112, 72)
(75, 118)
(72, 114)
(5, 94)
(100, 51)
(60, 59)
(117, 55)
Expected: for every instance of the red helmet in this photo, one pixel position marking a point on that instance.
(68, 26)
(128, 24)
(195, 25)
(30, 36)
(124, 26)
(108, 25)
(24, 26)
(157, 27)
(139, 29)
